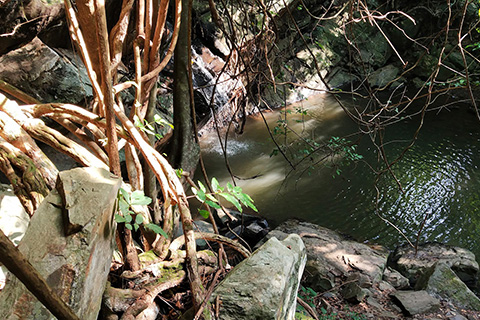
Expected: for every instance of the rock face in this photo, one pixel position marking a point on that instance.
(75, 266)
(412, 265)
(440, 280)
(46, 74)
(265, 285)
(381, 77)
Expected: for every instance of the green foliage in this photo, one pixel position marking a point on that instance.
(232, 194)
(309, 295)
(281, 128)
(347, 151)
(126, 215)
(179, 172)
(149, 128)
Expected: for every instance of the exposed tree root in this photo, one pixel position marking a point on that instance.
(179, 242)
(153, 289)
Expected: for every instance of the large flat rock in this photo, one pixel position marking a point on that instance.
(331, 255)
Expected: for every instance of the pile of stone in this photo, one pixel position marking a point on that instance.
(434, 279)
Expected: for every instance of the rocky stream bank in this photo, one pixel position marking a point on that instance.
(334, 276)
(345, 279)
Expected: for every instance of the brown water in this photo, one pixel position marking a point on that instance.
(440, 176)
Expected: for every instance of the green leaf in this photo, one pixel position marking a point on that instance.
(212, 204)
(156, 229)
(139, 198)
(211, 197)
(246, 200)
(179, 172)
(136, 121)
(135, 226)
(230, 198)
(201, 195)
(123, 206)
(215, 184)
(139, 219)
(202, 187)
(119, 218)
(204, 213)
(128, 218)
(125, 195)
(128, 226)
(229, 187)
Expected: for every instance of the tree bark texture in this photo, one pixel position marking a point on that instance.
(27, 182)
(184, 152)
(12, 132)
(37, 129)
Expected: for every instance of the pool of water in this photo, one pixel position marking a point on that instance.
(439, 175)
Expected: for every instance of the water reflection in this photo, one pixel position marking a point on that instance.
(439, 176)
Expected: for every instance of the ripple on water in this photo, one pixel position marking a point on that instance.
(439, 175)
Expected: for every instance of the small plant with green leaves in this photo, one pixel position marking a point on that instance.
(308, 295)
(126, 215)
(347, 151)
(232, 194)
(149, 128)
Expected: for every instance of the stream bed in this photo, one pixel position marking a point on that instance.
(439, 174)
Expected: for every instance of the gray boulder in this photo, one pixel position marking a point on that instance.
(354, 293)
(411, 265)
(441, 281)
(330, 255)
(416, 302)
(265, 285)
(75, 264)
(381, 77)
(395, 278)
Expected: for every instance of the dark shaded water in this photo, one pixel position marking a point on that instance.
(440, 176)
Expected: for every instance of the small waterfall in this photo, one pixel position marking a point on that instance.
(211, 77)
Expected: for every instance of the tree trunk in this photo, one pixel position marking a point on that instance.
(184, 152)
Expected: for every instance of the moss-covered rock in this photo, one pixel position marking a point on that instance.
(440, 280)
